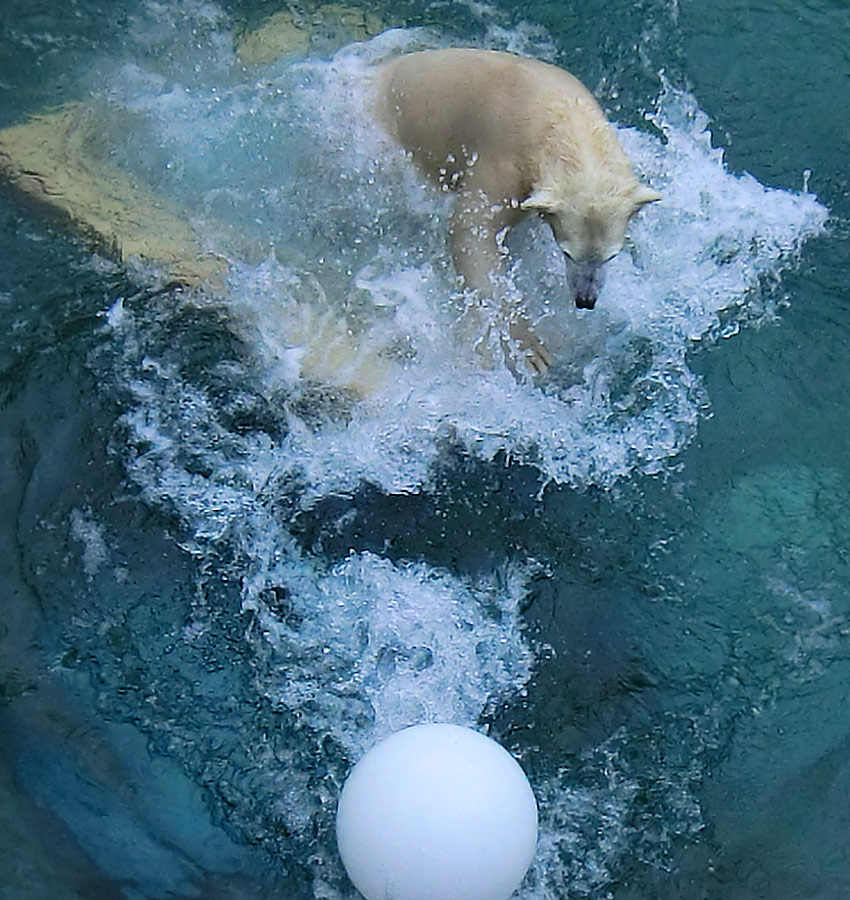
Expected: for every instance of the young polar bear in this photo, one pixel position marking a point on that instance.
(513, 136)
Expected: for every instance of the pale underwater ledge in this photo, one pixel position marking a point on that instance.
(47, 160)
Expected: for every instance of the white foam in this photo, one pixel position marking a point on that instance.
(380, 646)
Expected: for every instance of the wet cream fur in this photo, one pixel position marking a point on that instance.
(513, 136)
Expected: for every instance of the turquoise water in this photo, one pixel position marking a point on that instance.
(226, 577)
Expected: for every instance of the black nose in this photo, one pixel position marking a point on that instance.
(586, 301)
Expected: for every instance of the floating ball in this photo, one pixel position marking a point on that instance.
(437, 812)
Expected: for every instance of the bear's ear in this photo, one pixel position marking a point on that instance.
(644, 195)
(539, 199)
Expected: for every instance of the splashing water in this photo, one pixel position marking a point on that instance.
(341, 275)
(342, 652)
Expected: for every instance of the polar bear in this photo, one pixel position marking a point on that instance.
(513, 136)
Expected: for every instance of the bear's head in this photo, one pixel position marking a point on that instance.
(590, 227)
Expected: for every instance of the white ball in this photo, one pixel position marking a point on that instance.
(437, 812)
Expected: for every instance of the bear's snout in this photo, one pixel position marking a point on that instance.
(585, 301)
(585, 280)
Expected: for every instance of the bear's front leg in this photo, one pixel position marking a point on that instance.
(475, 232)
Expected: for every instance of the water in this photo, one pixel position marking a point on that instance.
(249, 531)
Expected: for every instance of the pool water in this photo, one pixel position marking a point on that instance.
(248, 531)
